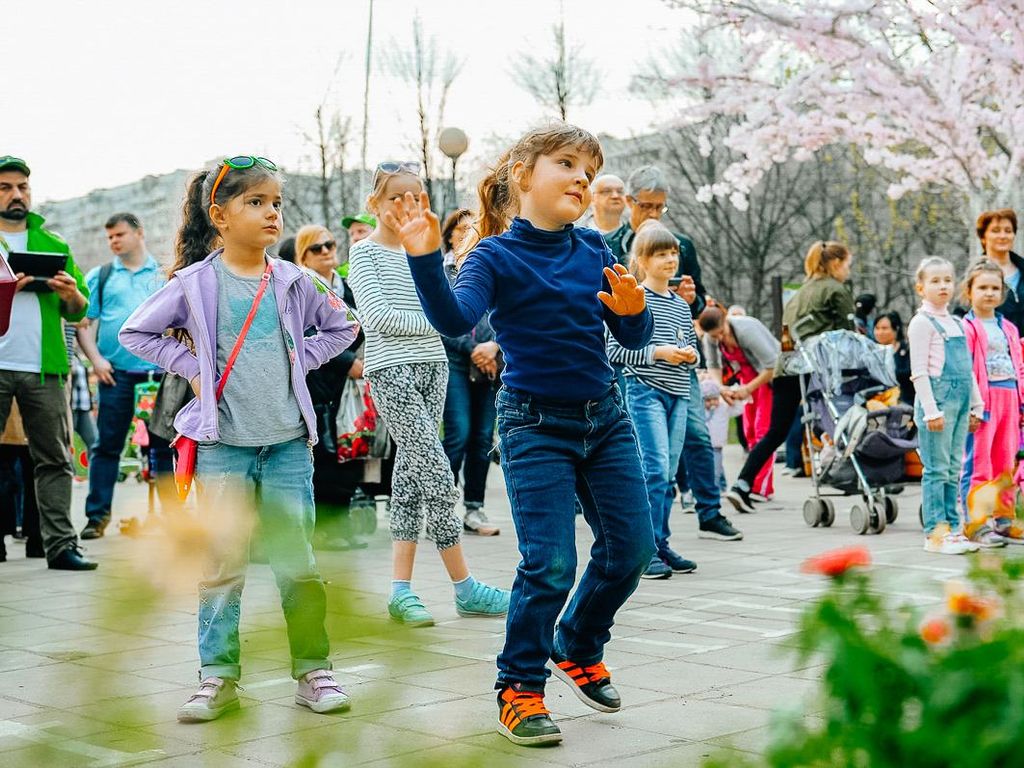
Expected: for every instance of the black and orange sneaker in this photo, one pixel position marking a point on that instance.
(593, 684)
(523, 719)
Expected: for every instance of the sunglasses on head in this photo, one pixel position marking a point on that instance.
(319, 248)
(391, 167)
(239, 163)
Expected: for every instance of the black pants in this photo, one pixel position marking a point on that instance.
(785, 405)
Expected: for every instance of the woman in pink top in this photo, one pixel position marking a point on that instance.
(947, 405)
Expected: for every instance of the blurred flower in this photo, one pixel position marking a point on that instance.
(935, 630)
(837, 561)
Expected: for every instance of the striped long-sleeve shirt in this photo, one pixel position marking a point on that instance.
(397, 332)
(673, 324)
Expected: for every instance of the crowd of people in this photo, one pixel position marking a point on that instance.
(559, 312)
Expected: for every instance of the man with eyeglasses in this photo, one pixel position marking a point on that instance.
(34, 362)
(647, 198)
(609, 201)
(117, 289)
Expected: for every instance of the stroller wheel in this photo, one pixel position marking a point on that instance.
(814, 511)
(830, 513)
(892, 510)
(859, 519)
(878, 517)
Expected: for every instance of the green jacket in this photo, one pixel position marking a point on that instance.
(51, 308)
(822, 304)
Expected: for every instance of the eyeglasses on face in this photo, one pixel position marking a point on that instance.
(651, 207)
(239, 163)
(319, 248)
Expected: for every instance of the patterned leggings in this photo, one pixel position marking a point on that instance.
(410, 398)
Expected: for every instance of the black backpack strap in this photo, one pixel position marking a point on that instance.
(104, 275)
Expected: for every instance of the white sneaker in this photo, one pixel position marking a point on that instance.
(943, 542)
(972, 546)
(214, 697)
(319, 691)
(476, 522)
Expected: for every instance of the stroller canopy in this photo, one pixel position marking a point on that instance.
(835, 352)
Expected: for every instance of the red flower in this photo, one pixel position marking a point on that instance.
(837, 562)
(935, 630)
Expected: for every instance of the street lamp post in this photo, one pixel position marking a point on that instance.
(453, 142)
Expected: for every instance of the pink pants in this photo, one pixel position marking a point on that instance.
(757, 416)
(992, 450)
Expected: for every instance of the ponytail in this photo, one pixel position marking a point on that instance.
(499, 199)
(497, 205)
(821, 258)
(197, 235)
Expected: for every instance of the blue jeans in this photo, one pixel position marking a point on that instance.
(660, 421)
(551, 453)
(469, 413)
(114, 419)
(276, 481)
(942, 452)
(697, 459)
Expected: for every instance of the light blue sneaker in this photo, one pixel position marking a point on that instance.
(484, 600)
(407, 609)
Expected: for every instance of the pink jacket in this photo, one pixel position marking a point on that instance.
(977, 344)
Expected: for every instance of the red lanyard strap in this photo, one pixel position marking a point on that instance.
(264, 281)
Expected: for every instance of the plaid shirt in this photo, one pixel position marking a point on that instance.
(81, 397)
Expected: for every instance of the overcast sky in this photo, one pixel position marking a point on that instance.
(98, 93)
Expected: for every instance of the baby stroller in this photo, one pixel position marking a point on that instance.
(863, 438)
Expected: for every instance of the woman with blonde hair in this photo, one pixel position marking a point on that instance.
(823, 303)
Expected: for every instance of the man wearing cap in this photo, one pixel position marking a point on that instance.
(359, 227)
(34, 363)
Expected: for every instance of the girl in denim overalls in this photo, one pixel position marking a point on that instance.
(947, 406)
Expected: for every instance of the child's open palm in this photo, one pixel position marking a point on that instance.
(626, 298)
(417, 226)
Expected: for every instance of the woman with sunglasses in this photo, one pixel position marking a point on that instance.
(247, 314)
(316, 252)
(407, 368)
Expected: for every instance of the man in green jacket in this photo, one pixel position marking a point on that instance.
(34, 363)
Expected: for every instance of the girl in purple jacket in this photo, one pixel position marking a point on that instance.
(255, 441)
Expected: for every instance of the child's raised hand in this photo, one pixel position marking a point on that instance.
(626, 298)
(418, 227)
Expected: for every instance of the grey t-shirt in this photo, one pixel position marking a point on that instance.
(258, 406)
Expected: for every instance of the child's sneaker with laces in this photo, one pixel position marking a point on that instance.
(972, 546)
(986, 538)
(523, 719)
(1011, 531)
(592, 683)
(214, 697)
(484, 600)
(406, 608)
(319, 691)
(942, 541)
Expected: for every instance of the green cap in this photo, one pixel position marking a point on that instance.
(12, 163)
(362, 218)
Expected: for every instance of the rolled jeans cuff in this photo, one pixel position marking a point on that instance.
(302, 667)
(224, 671)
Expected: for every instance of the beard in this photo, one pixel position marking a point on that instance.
(14, 213)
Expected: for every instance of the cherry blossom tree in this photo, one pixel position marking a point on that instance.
(931, 92)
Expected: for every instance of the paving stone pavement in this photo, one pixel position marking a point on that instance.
(94, 665)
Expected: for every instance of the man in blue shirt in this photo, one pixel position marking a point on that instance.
(118, 289)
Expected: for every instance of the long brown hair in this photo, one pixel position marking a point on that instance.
(499, 198)
(197, 236)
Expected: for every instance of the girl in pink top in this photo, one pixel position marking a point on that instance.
(994, 345)
(947, 405)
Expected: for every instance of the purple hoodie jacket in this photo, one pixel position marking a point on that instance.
(189, 301)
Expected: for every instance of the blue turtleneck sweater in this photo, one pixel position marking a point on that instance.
(547, 318)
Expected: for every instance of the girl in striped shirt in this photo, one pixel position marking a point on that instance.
(407, 368)
(664, 400)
